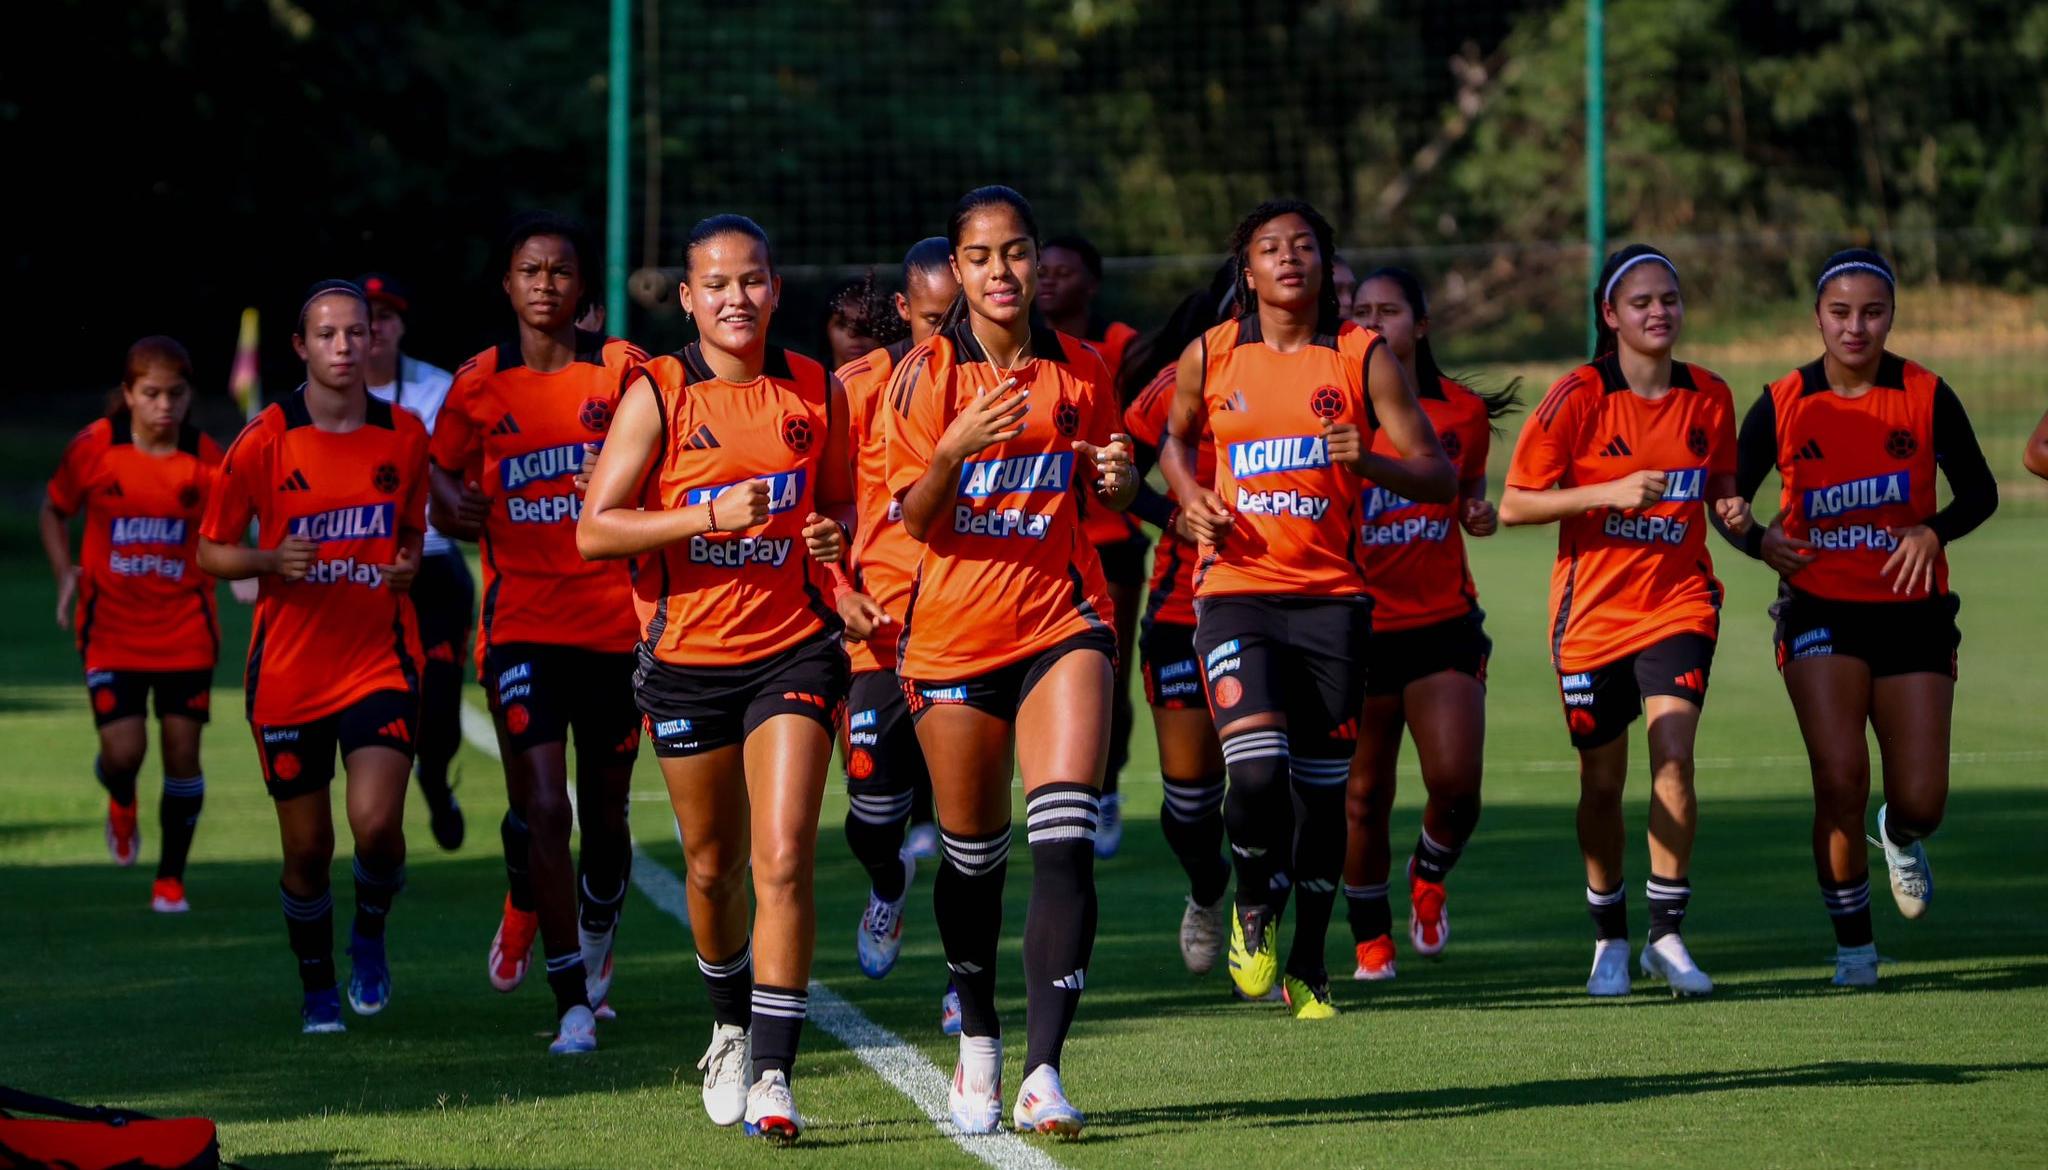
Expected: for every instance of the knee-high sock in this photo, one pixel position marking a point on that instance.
(178, 817)
(1059, 927)
(1259, 812)
(1319, 827)
(875, 823)
(967, 899)
(1192, 820)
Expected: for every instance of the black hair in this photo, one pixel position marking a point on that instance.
(931, 254)
(1856, 260)
(1604, 340)
(149, 351)
(726, 223)
(1328, 317)
(1196, 314)
(1499, 403)
(1090, 258)
(868, 301)
(990, 196)
(346, 288)
(527, 225)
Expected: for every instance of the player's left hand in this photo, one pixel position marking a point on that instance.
(1113, 469)
(863, 616)
(399, 573)
(1480, 517)
(1735, 514)
(824, 538)
(1911, 566)
(67, 592)
(1344, 443)
(582, 480)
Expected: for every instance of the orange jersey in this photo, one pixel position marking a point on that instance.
(323, 642)
(1171, 592)
(730, 598)
(1626, 579)
(1006, 571)
(521, 433)
(1102, 523)
(143, 604)
(1414, 554)
(884, 555)
(1296, 530)
(1853, 470)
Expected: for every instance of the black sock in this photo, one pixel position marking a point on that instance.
(566, 978)
(1433, 861)
(1668, 898)
(874, 831)
(967, 900)
(1368, 912)
(1192, 820)
(1319, 829)
(598, 911)
(440, 728)
(178, 817)
(120, 786)
(309, 924)
(778, 1024)
(729, 983)
(377, 883)
(518, 841)
(1609, 910)
(1059, 925)
(1848, 906)
(1259, 813)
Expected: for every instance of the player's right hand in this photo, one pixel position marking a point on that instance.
(67, 592)
(1786, 554)
(1638, 489)
(472, 507)
(863, 615)
(994, 417)
(295, 557)
(741, 506)
(582, 480)
(1206, 518)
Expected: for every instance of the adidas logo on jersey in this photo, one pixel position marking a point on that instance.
(1616, 448)
(295, 482)
(702, 439)
(114, 489)
(1234, 402)
(1811, 450)
(396, 730)
(1692, 680)
(506, 426)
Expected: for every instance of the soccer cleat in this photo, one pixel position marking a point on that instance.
(1856, 966)
(369, 978)
(124, 833)
(949, 1011)
(1375, 960)
(880, 937)
(321, 1013)
(1042, 1106)
(596, 946)
(445, 822)
(771, 1110)
(727, 1069)
(1667, 959)
(976, 1098)
(921, 843)
(1109, 825)
(1201, 935)
(605, 1011)
(577, 1034)
(1610, 968)
(1307, 1001)
(1254, 954)
(167, 896)
(1912, 879)
(512, 947)
(1429, 923)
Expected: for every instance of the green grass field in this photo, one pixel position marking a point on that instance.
(1492, 1055)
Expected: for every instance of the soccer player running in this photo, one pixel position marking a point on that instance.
(1293, 396)
(443, 592)
(336, 483)
(1866, 631)
(137, 603)
(1426, 666)
(996, 425)
(555, 632)
(728, 474)
(1069, 280)
(1623, 454)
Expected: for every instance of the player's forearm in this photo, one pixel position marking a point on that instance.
(444, 503)
(1520, 506)
(605, 534)
(1425, 478)
(56, 539)
(235, 562)
(1177, 465)
(926, 500)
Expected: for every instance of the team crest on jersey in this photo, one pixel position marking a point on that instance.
(1696, 441)
(595, 414)
(1326, 402)
(796, 431)
(385, 478)
(1901, 444)
(1066, 417)
(1454, 448)
(188, 496)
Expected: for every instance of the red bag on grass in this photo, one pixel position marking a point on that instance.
(99, 1138)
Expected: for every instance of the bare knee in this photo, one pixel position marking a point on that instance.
(716, 877)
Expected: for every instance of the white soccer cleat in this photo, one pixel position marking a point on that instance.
(1042, 1105)
(596, 946)
(1912, 878)
(1204, 930)
(727, 1070)
(976, 1099)
(1667, 959)
(1856, 966)
(880, 937)
(921, 843)
(1109, 827)
(771, 1109)
(1610, 968)
(577, 1034)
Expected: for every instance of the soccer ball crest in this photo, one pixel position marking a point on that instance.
(1067, 417)
(1453, 446)
(385, 478)
(1901, 444)
(796, 431)
(1327, 402)
(1696, 441)
(188, 496)
(595, 414)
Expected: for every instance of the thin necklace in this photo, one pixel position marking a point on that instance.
(1018, 359)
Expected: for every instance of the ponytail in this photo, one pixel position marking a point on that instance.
(1499, 403)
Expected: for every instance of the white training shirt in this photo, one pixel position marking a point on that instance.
(421, 388)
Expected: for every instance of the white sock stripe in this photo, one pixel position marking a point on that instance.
(975, 858)
(1433, 843)
(780, 1013)
(1047, 836)
(782, 1003)
(1596, 898)
(729, 968)
(306, 909)
(1665, 891)
(1320, 773)
(1254, 745)
(190, 786)
(561, 963)
(880, 810)
(1316, 886)
(1366, 892)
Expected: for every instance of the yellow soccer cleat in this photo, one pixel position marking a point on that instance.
(1254, 955)
(1306, 1002)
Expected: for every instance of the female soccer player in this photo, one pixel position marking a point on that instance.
(140, 608)
(1866, 631)
(1292, 394)
(728, 474)
(2036, 458)
(1426, 667)
(555, 634)
(996, 425)
(850, 321)
(336, 482)
(1622, 455)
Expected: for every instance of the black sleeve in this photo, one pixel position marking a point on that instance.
(1151, 505)
(1973, 490)
(1756, 454)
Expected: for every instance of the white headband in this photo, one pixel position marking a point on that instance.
(1607, 294)
(1853, 266)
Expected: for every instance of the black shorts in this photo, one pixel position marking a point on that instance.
(539, 693)
(298, 758)
(1170, 666)
(695, 709)
(1001, 691)
(1124, 561)
(123, 694)
(1599, 704)
(443, 597)
(1399, 657)
(1891, 637)
(882, 754)
(1301, 656)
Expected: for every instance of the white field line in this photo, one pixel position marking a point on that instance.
(900, 1065)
